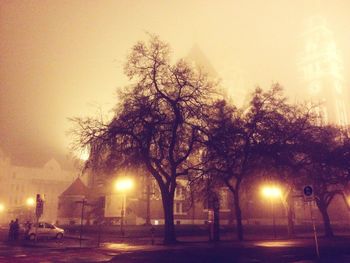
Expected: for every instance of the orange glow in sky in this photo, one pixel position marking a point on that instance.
(60, 59)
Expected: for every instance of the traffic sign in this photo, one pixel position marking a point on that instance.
(308, 193)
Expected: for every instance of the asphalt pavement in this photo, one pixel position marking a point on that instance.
(271, 251)
(191, 249)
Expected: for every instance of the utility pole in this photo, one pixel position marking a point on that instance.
(123, 215)
(148, 200)
(83, 204)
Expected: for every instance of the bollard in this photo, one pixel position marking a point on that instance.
(152, 234)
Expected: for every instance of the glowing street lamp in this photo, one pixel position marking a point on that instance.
(2, 207)
(30, 202)
(122, 186)
(272, 192)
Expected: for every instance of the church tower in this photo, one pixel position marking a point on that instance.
(321, 68)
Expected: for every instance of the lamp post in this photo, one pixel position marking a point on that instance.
(272, 193)
(30, 203)
(83, 203)
(2, 210)
(123, 185)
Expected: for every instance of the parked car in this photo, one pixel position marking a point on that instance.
(45, 230)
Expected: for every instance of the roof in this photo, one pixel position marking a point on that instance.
(76, 188)
(201, 61)
(52, 164)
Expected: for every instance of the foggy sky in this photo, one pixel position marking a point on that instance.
(60, 59)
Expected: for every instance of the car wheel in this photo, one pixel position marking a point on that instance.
(59, 236)
(32, 237)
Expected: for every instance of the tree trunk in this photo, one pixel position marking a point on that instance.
(238, 213)
(148, 200)
(326, 221)
(290, 216)
(169, 227)
(216, 209)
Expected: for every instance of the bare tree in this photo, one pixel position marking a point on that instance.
(283, 134)
(224, 148)
(205, 187)
(241, 143)
(157, 124)
(324, 171)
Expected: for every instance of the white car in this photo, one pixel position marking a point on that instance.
(46, 230)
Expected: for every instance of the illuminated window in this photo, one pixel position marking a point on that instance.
(178, 208)
(180, 192)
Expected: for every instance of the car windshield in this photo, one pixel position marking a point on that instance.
(44, 225)
(47, 225)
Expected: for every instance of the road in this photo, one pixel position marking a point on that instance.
(301, 250)
(191, 250)
(298, 251)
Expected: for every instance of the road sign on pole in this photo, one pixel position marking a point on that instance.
(315, 231)
(308, 193)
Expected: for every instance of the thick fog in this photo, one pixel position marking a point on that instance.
(60, 59)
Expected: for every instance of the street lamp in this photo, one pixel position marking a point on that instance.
(272, 192)
(2, 207)
(30, 202)
(123, 185)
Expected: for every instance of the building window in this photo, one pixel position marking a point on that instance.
(178, 209)
(179, 192)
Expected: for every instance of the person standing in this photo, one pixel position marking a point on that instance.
(11, 232)
(16, 229)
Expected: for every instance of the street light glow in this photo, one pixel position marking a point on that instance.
(30, 201)
(271, 191)
(124, 184)
(2, 207)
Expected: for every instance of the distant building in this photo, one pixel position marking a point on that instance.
(199, 60)
(144, 204)
(187, 209)
(321, 68)
(18, 184)
(233, 84)
(70, 203)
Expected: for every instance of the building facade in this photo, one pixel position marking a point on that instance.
(144, 205)
(322, 71)
(19, 186)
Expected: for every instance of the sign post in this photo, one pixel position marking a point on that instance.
(211, 224)
(83, 203)
(309, 198)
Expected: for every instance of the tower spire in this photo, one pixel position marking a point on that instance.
(322, 70)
